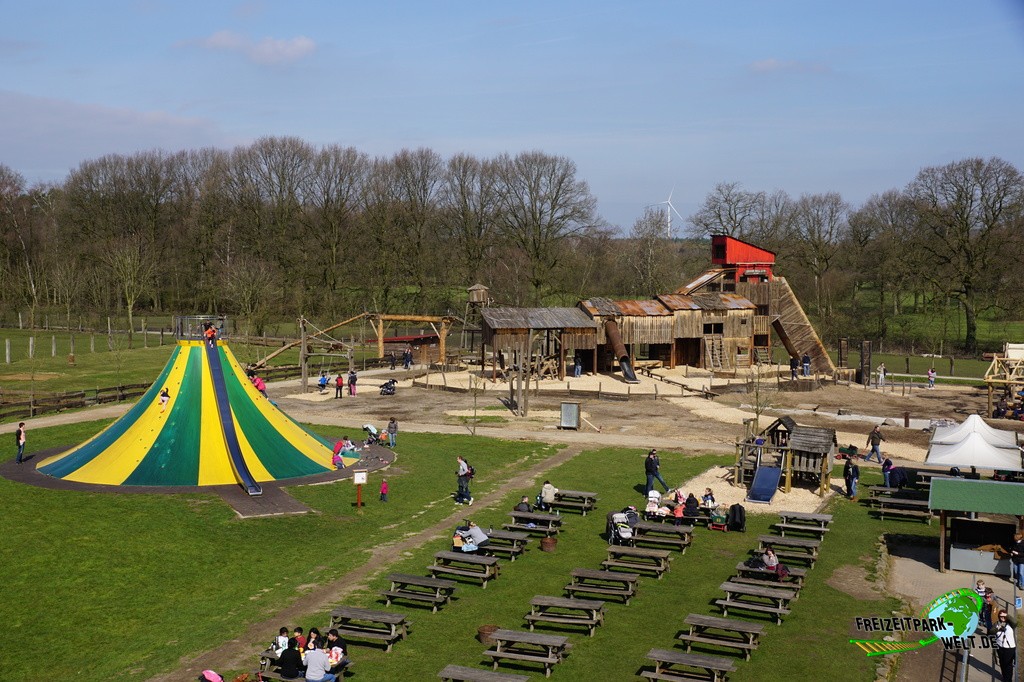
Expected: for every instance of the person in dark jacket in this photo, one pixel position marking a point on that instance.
(692, 506)
(289, 663)
(851, 474)
(652, 467)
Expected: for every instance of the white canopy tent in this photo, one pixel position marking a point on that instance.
(975, 451)
(974, 425)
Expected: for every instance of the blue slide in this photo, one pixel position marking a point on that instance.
(227, 424)
(766, 483)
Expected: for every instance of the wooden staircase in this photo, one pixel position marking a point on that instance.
(762, 356)
(713, 352)
(794, 329)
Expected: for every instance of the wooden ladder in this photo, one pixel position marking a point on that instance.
(713, 350)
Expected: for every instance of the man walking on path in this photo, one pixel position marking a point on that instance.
(875, 439)
(652, 467)
(19, 439)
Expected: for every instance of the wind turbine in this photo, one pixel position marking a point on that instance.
(669, 210)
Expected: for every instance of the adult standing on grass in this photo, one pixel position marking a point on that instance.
(652, 467)
(19, 440)
(392, 432)
(875, 439)
(463, 494)
(851, 473)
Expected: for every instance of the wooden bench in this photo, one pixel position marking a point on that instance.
(562, 611)
(715, 667)
(506, 543)
(465, 565)
(604, 583)
(274, 675)
(800, 549)
(768, 576)
(893, 506)
(799, 522)
(722, 632)
(663, 535)
(575, 499)
(529, 647)
(739, 596)
(533, 522)
(654, 561)
(356, 623)
(419, 588)
(458, 673)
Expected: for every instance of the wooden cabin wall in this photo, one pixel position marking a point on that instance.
(646, 330)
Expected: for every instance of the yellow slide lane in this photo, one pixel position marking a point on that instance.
(214, 462)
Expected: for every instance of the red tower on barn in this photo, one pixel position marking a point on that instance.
(746, 262)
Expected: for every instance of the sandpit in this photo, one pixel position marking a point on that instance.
(800, 499)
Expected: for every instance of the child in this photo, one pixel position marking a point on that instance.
(979, 587)
(708, 499)
(165, 397)
(677, 512)
(322, 383)
(280, 642)
(384, 490)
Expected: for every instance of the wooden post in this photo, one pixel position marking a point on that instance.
(7, 344)
(145, 336)
(31, 347)
(20, 326)
(951, 373)
(942, 538)
(53, 345)
(71, 344)
(92, 342)
(303, 368)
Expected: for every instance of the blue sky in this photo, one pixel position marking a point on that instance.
(645, 97)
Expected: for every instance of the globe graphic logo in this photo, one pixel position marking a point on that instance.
(960, 611)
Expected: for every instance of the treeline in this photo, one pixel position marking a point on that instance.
(281, 228)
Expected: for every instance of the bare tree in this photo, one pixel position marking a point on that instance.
(133, 269)
(819, 225)
(649, 255)
(541, 204)
(968, 210)
(728, 209)
(467, 202)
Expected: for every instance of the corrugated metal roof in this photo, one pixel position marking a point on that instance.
(704, 278)
(600, 307)
(966, 495)
(812, 439)
(642, 308)
(537, 318)
(721, 301)
(678, 302)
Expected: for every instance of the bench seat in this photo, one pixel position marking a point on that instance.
(803, 528)
(717, 666)
(777, 611)
(562, 619)
(914, 513)
(462, 572)
(662, 541)
(635, 567)
(726, 642)
(608, 591)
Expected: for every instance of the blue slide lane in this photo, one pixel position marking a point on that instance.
(765, 485)
(227, 424)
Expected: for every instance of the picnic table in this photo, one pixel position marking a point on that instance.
(534, 522)
(530, 647)
(655, 561)
(508, 543)
(665, 662)
(879, 491)
(356, 623)
(897, 506)
(743, 596)
(803, 549)
(606, 583)
(663, 535)
(436, 591)
(459, 673)
(465, 565)
(800, 522)
(564, 611)
(575, 499)
(722, 632)
(769, 576)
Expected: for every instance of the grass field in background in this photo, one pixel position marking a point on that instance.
(182, 574)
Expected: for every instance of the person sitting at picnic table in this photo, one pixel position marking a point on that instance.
(336, 648)
(473, 536)
(547, 495)
(314, 638)
(280, 642)
(708, 498)
(318, 666)
(289, 663)
(524, 505)
(692, 506)
(770, 560)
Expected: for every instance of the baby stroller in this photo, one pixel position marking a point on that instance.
(388, 387)
(372, 434)
(620, 526)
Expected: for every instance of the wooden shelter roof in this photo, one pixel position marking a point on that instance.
(812, 439)
(500, 319)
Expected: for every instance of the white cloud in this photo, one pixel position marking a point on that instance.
(265, 51)
(772, 65)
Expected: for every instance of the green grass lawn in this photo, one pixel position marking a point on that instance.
(176, 575)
